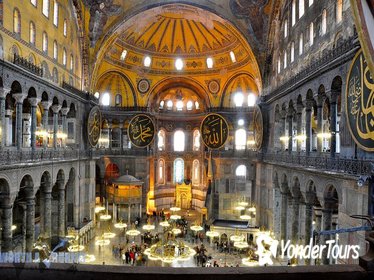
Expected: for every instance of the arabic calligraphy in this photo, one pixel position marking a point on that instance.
(94, 126)
(360, 103)
(214, 131)
(141, 130)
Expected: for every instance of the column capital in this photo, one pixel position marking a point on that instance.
(4, 91)
(309, 105)
(46, 104)
(56, 108)
(64, 111)
(33, 101)
(19, 97)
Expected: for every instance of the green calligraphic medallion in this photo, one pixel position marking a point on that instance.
(94, 126)
(359, 103)
(141, 131)
(214, 131)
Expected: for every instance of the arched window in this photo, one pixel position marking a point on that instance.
(196, 140)
(32, 33)
(161, 171)
(71, 62)
(65, 28)
(189, 105)
(55, 50)
(55, 13)
(301, 44)
(33, 2)
(45, 42)
(240, 139)
(301, 8)
(162, 103)
(311, 33)
(251, 99)
(285, 60)
(339, 11)
(178, 170)
(179, 141)
(118, 100)
(45, 8)
(324, 22)
(279, 65)
(16, 21)
(55, 75)
(292, 51)
(195, 172)
(169, 104)
(241, 171)
(105, 99)
(285, 28)
(197, 105)
(179, 105)
(64, 57)
(161, 140)
(238, 99)
(293, 12)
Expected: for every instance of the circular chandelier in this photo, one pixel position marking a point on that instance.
(99, 209)
(240, 208)
(175, 209)
(169, 250)
(212, 233)
(236, 238)
(241, 245)
(176, 231)
(133, 232)
(165, 224)
(76, 248)
(89, 258)
(175, 217)
(102, 242)
(245, 217)
(196, 228)
(148, 227)
(120, 225)
(252, 209)
(108, 235)
(105, 217)
(243, 203)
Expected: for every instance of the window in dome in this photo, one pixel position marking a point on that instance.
(324, 22)
(179, 105)
(179, 64)
(285, 28)
(162, 103)
(123, 55)
(196, 172)
(105, 100)
(55, 13)
(169, 104)
(32, 33)
(251, 100)
(197, 105)
(209, 62)
(196, 140)
(55, 50)
(240, 139)
(240, 122)
(301, 8)
(189, 105)
(161, 140)
(178, 141)
(292, 51)
(161, 171)
(65, 28)
(16, 21)
(241, 171)
(46, 8)
(97, 95)
(301, 44)
(147, 61)
(238, 99)
(311, 33)
(232, 56)
(45, 42)
(118, 100)
(178, 170)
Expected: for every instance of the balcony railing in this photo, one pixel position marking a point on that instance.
(24, 63)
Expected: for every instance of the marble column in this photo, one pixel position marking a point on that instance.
(284, 216)
(30, 223)
(7, 220)
(277, 212)
(333, 112)
(326, 225)
(289, 119)
(61, 209)
(295, 219)
(319, 129)
(290, 217)
(47, 216)
(283, 129)
(24, 225)
(64, 112)
(8, 129)
(317, 228)
(110, 127)
(19, 97)
(56, 109)
(299, 115)
(34, 102)
(308, 128)
(3, 131)
(45, 105)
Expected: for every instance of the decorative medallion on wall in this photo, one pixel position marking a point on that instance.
(141, 131)
(214, 131)
(94, 126)
(359, 103)
(213, 86)
(143, 86)
(258, 127)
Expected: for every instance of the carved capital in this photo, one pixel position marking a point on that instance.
(34, 101)
(46, 105)
(64, 111)
(19, 97)
(4, 92)
(56, 108)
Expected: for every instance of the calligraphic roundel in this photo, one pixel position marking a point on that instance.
(141, 131)
(359, 103)
(214, 131)
(94, 126)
